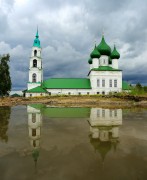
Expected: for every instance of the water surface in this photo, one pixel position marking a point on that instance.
(40, 142)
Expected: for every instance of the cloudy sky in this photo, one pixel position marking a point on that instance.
(68, 30)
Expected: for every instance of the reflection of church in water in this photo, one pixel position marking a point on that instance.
(34, 125)
(104, 129)
(104, 125)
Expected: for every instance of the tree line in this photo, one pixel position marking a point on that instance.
(5, 79)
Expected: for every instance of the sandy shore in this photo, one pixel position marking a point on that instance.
(78, 101)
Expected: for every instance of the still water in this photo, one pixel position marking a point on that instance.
(41, 143)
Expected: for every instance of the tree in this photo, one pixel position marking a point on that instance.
(5, 79)
(138, 86)
(4, 122)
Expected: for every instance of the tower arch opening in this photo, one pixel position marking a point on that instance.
(34, 63)
(34, 77)
(35, 52)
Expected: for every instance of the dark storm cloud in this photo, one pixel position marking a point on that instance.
(68, 30)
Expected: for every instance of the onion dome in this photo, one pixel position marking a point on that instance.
(115, 54)
(90, 61)
(103, 47)
(95, 53)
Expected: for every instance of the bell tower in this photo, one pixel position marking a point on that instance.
(35, 67)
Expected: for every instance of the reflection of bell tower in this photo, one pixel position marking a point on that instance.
(104, 129)
(34, 124)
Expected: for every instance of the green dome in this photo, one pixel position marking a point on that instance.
(36, 40)
(115, 54)
(103, 48)
(95, 53)
(90, 61)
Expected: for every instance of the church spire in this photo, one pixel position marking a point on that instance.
(36, 40)
(37, 35)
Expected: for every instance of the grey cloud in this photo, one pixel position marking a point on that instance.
(67, 32)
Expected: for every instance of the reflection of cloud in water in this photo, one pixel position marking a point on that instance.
(104, 129)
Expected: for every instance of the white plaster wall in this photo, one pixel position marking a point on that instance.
(115, 63)
(72, 91)
(38, 51)
(104, 60)
(106, 75)
(35, 94)
(38, 73)
(39, 65)
(95, 62)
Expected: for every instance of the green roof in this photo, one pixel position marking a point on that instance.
(67, 83)
(103, 47)
(105, 68)
(125, 86)
(37, 89)
(95, 53)
(115, 54)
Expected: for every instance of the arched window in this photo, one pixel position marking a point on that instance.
(34, 77)
(34, 63)
(35, 52)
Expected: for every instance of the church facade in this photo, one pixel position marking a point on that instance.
(104, 75)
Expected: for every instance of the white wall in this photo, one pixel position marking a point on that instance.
(115, 63)
(106, 75)
(95, 62)
(35, 94)
(103, 61)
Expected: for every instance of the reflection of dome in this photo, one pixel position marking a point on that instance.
(102, 147)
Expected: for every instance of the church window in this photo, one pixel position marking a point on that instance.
(34, 77)
(33, 117)
(103, 82)
(115, 113)
(103, 112)
(115, 83)
(33, 132)
(35, 52)
(98, 83)
(34, 63)
(98, 113)
(110, 113)
(110, 83)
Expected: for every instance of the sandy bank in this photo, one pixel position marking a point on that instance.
(78, 101)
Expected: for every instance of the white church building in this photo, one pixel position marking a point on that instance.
(104, 75)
